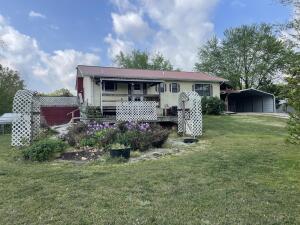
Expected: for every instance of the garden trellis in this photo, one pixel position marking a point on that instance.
(26, 108)
(189, 114)
(136, 111)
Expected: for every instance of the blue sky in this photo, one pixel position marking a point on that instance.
(45, 40)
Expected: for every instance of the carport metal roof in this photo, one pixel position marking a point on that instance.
(251, 92)
(8, 118)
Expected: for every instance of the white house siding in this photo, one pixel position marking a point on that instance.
(87, 87)
(116, 96)
(168, 99)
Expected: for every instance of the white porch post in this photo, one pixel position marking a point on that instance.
(101, 100)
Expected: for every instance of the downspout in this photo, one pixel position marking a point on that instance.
(101, 101)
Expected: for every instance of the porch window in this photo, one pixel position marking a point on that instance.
(203, 89)
(174, 88)
(109, 86)
(161, 86)
(137, 87)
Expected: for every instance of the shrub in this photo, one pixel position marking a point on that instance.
(75, 133)
(88, 141)
(106, 137)
(141, 136)
(294, 128)
(212, 106)
(43, 150)
(159, 137)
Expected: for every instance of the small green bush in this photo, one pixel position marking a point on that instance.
(75, 133)
(212, 106)
(294, 128)
(43, 150)
(88, 141)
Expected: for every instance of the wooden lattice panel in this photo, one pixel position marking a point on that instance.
(27, 124)
(58, 101)
(136, 111)
(189, 104)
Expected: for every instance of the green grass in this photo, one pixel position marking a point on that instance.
(246, 174)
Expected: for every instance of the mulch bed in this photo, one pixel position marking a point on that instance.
(82, 155)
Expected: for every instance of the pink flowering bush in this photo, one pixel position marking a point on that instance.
(138, 136)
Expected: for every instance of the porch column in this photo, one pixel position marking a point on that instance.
(132, 90)
(159, 102)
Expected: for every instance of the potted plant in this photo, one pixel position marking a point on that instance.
(119, 150)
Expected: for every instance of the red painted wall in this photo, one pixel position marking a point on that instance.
(56, 115)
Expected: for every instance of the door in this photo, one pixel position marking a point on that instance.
(137, 89)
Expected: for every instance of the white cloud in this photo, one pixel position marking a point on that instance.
(117, 45)
(181, 27)
(123, 5)
(130, 25)
(33, 14)
(40, 70)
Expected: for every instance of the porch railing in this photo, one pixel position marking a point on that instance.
(136, 111)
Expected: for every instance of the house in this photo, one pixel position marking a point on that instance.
(105, 86)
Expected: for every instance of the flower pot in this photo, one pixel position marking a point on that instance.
(120, 153)
(126, 153)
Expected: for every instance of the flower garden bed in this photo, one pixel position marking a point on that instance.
(102, 138)
(92, 140)
(86, 154)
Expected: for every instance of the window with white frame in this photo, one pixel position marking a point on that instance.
(203, 89)
(109, 86)
(174, 87)
(162, 87)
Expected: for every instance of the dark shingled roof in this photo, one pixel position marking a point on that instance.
(114, 72)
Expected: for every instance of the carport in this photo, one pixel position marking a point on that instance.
(250, 100)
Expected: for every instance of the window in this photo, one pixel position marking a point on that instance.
(162, 87)
(174, 87)
(109, 86)
(203, 89)
(137, 87)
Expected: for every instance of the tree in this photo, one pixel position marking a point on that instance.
(10, 83)
(142, 60)
(293, 71)
(63, 92)
(248, 56)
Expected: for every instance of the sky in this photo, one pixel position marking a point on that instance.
(44, 40)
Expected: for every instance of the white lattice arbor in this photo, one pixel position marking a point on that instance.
(189, 114)
(136, 111)
(26, 126)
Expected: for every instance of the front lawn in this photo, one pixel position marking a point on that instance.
(244, 174)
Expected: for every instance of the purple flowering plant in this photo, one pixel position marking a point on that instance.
(94, 127)
(134, 126)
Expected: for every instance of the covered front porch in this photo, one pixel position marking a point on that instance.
(112, 91)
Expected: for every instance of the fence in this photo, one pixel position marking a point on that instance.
(136, 111)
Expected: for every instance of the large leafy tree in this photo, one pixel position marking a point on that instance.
(10, 83)
(248, 56)
(63, 92)
(293, 71)
(142, 60)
